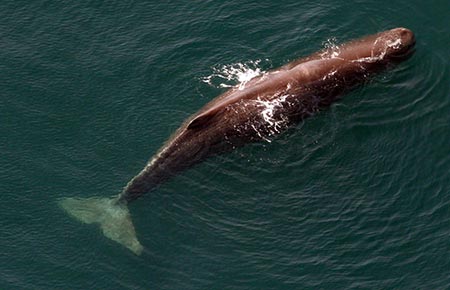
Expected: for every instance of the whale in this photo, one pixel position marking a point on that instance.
(254, 111)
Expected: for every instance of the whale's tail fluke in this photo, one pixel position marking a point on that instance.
(112, 216)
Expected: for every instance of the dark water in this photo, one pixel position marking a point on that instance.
(357, 197)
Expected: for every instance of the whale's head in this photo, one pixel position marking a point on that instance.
(394, 45)
(385, 47)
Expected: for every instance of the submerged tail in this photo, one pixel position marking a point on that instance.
(112, 216)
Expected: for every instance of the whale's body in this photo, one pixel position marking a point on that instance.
(251, 112)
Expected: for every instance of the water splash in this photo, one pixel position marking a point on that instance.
(389, 43)
(331, 48)
(230, 75)
(273, 123)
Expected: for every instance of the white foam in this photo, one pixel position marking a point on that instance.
(230, 75)
(332, 50)
(389, 43)
(394, 43)
(274, 125)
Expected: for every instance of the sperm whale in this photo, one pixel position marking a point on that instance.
(251, 112)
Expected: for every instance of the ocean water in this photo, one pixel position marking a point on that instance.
(356, 197)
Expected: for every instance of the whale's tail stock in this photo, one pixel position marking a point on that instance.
(112, 216)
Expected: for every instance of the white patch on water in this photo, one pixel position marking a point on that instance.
(394, 44)
(273, 124)
(331, 50)
(369, 59)
(230, 75)
(390, 43)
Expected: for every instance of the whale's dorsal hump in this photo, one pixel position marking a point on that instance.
(202, 120)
